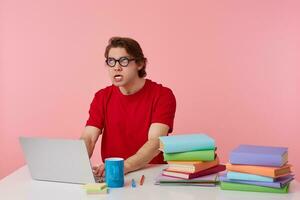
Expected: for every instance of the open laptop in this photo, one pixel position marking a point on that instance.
(61, 160)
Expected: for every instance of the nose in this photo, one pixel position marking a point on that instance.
(118, 67)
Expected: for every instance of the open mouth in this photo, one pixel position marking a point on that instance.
(118, 77)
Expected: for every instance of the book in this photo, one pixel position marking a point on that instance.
(248, 177)
(191, 166)
(252, 188)
(261, 170)
(259, 155)
(184, 175)
(203, 155)
(186, 142)
(279, 183)
(203, 184)
(209, 180)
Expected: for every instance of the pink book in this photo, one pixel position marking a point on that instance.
(184, 175)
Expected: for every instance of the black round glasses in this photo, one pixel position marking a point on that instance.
(123, 61)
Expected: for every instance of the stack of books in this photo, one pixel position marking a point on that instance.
(258, 169)
(190, 156)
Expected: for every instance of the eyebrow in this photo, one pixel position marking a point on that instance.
(119, 57)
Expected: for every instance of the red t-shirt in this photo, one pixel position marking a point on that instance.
(126, 119)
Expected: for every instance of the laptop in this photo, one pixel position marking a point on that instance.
(60, 160)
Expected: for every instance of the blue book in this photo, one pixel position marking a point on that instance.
(248, 177)
(259, 155)
(186, 142)
(279, 183)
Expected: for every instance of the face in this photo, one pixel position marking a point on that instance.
(119, 75)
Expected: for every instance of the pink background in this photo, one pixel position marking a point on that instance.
(232, 65)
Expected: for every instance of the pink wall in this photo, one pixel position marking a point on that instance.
(233, 66)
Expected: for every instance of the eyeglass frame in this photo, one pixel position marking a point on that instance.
(118, 61)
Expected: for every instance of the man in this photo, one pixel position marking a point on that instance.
(132, 113)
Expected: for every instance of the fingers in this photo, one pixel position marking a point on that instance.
(95, 169)
(101, 171)
(98, 170)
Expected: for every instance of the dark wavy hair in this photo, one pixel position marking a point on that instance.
(133, 49)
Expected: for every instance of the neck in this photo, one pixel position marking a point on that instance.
(133, 87)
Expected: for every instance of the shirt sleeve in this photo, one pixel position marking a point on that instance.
(96, 112)
(165, 107)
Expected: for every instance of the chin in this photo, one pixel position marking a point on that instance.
(118, 84)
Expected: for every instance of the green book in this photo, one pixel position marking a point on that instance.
(252, 188)
(203, 155)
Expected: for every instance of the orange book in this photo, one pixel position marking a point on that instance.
(191, 166)
(274, 172)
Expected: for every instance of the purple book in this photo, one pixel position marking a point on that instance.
(279, 183)
(259, 155)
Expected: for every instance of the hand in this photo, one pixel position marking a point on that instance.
(99, 170)
(126, 168)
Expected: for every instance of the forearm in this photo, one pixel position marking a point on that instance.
(90, 136)
(90, 145)
(143, 156)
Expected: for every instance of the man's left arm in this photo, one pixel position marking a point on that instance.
(149, 150)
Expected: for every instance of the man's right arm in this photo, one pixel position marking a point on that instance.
(90, 136)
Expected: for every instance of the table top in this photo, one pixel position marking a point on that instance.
(19, 185)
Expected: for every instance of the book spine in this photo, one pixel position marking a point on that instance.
(265, 172)
(178, 169)
(255, 159)
(190, 156)
(253, 188)
(266, 184)
(248, 177)
(185, 147)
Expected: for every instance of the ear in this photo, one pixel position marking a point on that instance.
(140, 66)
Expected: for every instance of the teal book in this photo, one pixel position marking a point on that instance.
(203, 155)
(252, 188)
(186, 142)
(248, 177)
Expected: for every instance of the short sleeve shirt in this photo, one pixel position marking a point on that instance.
(126, 119)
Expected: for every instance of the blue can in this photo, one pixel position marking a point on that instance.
(114, 172)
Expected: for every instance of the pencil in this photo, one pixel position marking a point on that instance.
(142, 180)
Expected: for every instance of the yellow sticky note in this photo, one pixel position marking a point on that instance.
(94, 186)
(103, 191)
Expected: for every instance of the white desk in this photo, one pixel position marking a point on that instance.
(19, 185)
